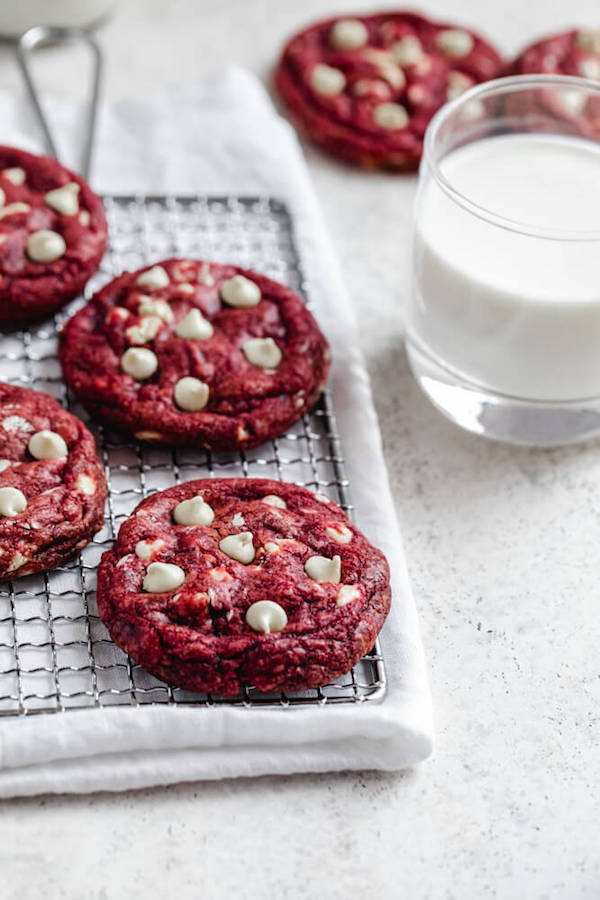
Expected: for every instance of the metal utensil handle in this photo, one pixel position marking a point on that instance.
(41, 35)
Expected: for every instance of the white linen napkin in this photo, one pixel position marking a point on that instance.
(223, 136)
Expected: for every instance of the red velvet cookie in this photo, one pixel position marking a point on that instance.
(52, 486)
(569, 53)
(189, 352)
(365, 88)
(52, 236)
(220, 583)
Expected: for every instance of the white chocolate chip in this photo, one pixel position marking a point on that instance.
(4, 464)
(156, 277)
(239, 547)
(326, 80)
(418, 94)
(274, 500)
(590, 68)
(241, 434)
(191, 394)
(340, 533)
(45, 246)
(322, 498)
(84, 218)
(238, 520)
(266, 616)
(424, 65)
(17, 561)
(118, 312)
(194, 327)
(86, 484)
(14, 208)
(16, 175)
(220, 574)
(589, 40)
(407, 51)
(392, 116)
(321, 568)
(474, 109)
(387, 67)
(205, 275)
(149, 436)
(144, 332)
(12, 424)
(47, 445)
(12, 502)
(186, 288)
(194, 511)
(183, 269)
(2, 197)
(347, 594)
(458, 83)
(348, 34)
(572, 101)
(262, 352)
(163, 577)
(455, 42)
(159, 308)
(139, 363)
(64, 200)
(145, 550)
(373, 87)
(240, 291)
(271, 547)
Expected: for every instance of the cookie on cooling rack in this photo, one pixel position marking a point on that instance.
(52, 486)
(365, 88)
(52, 236)
(220, 583)
(190, 352)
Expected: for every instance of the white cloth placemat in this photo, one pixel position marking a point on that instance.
(223, 136)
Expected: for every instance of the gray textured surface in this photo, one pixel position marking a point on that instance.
(502, 546)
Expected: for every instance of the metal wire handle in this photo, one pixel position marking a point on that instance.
(42, 35)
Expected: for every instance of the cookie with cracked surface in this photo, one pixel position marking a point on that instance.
(52, 486)
(364, 88)
(52, 236)
(190, 352)
(220, 583)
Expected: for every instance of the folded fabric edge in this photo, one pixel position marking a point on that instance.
(123, 771)
(44, 739)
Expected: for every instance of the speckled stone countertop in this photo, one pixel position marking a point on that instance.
(503, 549)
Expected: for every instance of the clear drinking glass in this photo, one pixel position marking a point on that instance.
(503, 321)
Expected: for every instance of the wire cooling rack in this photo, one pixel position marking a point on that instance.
(55, 653)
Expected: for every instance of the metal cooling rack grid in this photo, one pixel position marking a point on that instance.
(55, 653)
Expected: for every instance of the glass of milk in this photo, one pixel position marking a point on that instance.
(503, 321)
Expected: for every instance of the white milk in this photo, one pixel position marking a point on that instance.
(516, 314)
